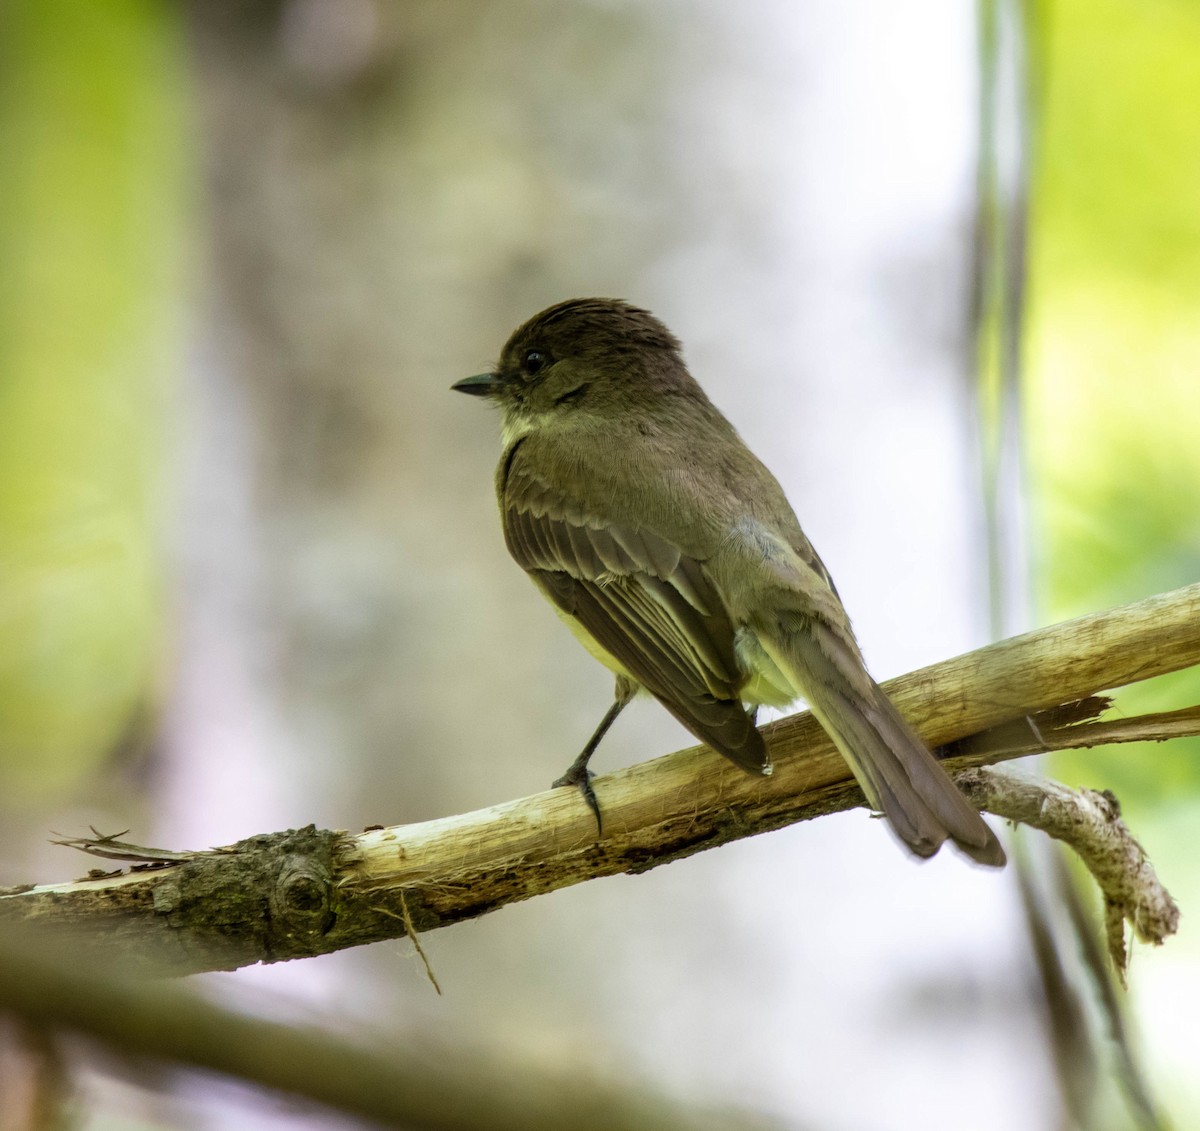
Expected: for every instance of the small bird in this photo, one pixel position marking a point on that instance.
(673, 555)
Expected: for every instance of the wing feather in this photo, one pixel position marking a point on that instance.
(645, 602)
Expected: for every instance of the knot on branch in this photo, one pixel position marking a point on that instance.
(266, 898)
(295, 870)
(301, 900)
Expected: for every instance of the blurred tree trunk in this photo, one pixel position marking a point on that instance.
(374, 238)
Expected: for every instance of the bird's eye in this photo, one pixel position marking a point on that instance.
(533, 361)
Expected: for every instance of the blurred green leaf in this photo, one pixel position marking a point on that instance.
(91, 204)
(1114, 346)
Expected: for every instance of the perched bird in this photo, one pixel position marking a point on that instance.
(672, 554)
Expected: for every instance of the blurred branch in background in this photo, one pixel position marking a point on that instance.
(1071, 1025)
(382, 1077)
(312, 892)
(38, 1092)
(1076, 1057)
(997, 306)
(1066, 889)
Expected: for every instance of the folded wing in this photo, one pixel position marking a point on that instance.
(646, 603)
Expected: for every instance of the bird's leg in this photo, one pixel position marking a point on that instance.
(578, 772)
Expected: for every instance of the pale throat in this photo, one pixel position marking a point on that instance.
(514, 427)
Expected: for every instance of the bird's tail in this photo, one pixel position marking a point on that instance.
(892, 764)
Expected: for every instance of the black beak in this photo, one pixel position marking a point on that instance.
(481, 385)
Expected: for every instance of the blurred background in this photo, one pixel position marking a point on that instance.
(939, 263)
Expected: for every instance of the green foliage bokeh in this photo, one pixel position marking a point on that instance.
(1113, 351)
(91, 200)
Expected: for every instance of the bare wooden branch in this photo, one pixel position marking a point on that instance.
(309, 892)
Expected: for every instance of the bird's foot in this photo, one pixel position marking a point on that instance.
(579, 775)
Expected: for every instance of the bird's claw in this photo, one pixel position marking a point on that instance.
(581, 776)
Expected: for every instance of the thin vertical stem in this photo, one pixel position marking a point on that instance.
(997, 307)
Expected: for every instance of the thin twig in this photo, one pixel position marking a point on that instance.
(415, 937)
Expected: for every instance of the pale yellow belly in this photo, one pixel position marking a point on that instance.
(585, 638)
(765, 683)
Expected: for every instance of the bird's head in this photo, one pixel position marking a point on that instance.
(585, 353)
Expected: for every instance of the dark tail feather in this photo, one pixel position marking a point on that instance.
(892, 764)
